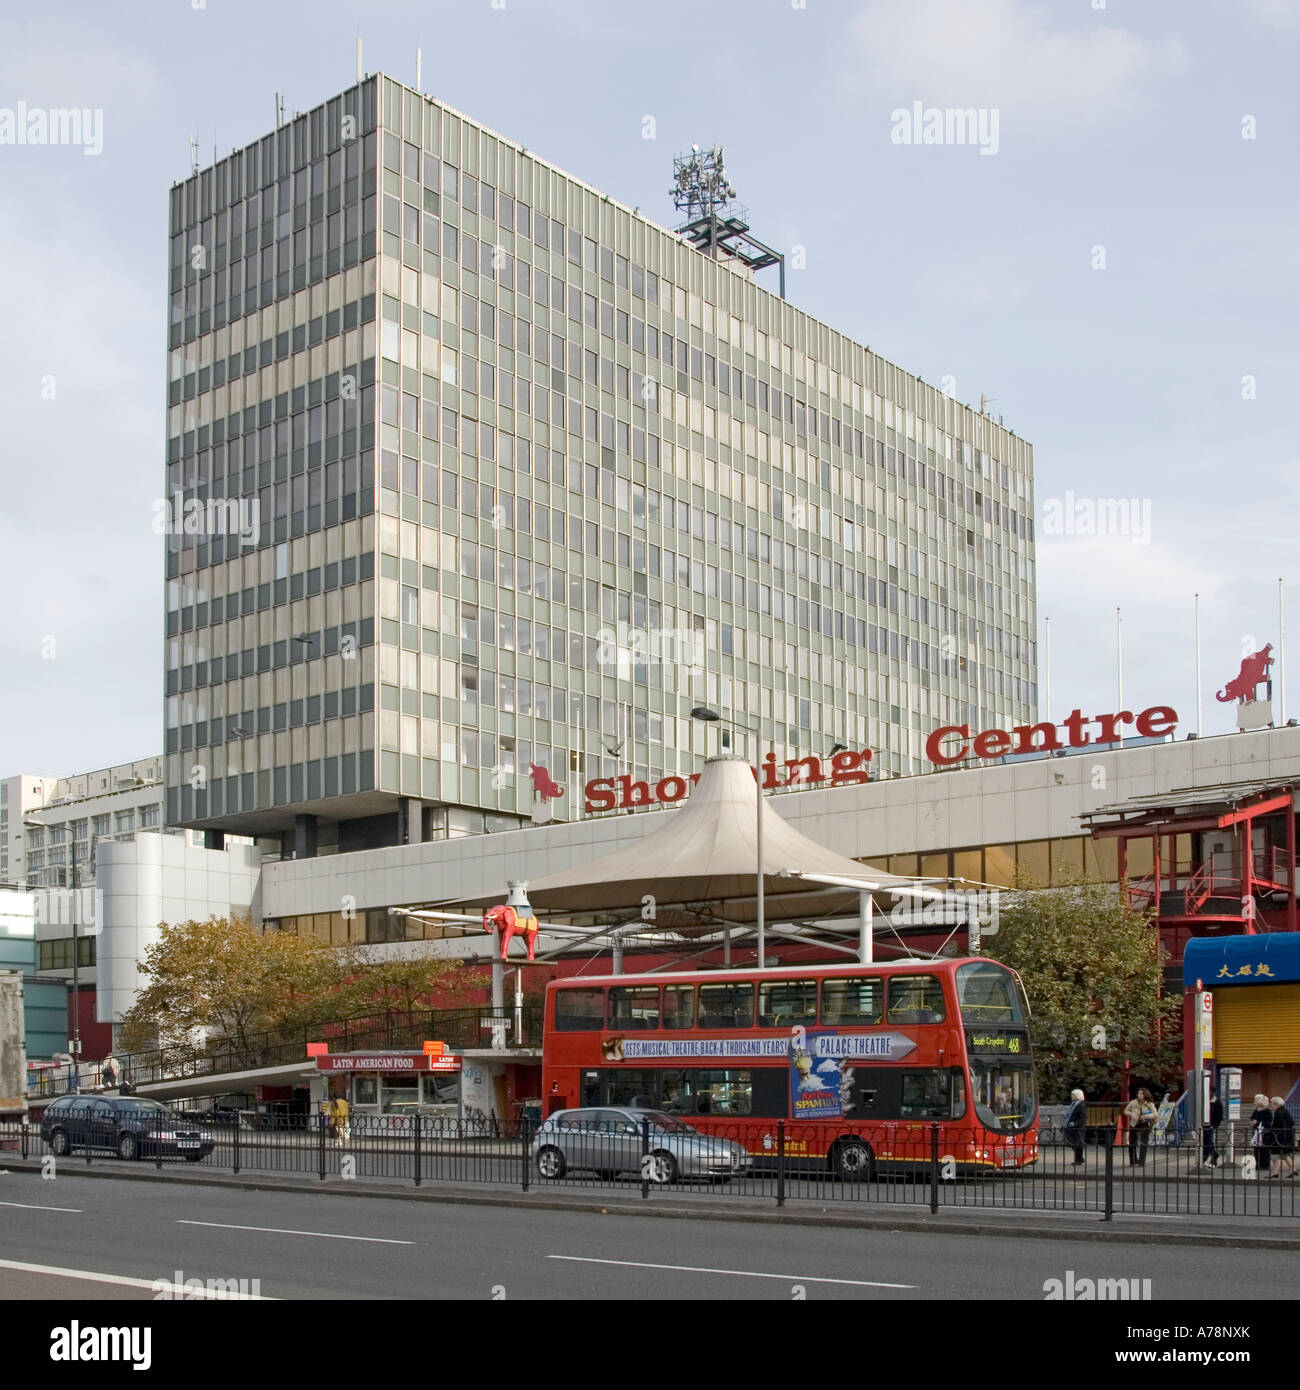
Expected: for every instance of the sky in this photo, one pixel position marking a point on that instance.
(1113, 264)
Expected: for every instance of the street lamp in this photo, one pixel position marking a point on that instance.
(711, 716)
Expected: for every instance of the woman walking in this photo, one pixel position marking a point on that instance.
(1140, 1113)
(1261, 1134)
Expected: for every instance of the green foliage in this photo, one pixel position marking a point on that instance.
(1091, 966)
(231, 979)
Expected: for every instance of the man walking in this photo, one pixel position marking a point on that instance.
(1076, 1120)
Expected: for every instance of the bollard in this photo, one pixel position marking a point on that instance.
(780, 1163)
(934, 1169)
(1110, 1174)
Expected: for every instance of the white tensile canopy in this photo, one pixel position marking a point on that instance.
(700, 868)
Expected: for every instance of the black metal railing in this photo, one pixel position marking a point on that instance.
(924, 1165)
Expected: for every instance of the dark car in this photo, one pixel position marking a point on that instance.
(124, 1125)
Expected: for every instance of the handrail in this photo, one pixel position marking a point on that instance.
(1199, 887)
(459, 1028)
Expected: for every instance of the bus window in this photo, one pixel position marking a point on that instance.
(987, 994)
(579, 1010)
(724, 1093)
(679, 1007)
(727, 1006)
(636, 1089)
(852, 1001)
(916, 999)
(1006, 1098)
(634, 1006)
(786, 1001)
(930, 1095)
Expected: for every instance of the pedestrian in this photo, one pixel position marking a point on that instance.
(1282, 1132)
(1210, 1132)
(342, 1120)
(1140, 1113)
(1261, 1136)
(1076, 1119)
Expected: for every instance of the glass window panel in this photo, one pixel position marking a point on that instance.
(916, 999)
(853, 1000)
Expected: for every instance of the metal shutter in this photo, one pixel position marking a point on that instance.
(1257, 1023)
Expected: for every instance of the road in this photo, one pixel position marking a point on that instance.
(322, 1246)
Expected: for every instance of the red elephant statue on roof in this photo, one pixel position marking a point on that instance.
(511, 924)
(1254, 671)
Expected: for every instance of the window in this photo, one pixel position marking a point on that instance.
(679, 1007)
(724, 1092)
(634, 1006)
(786, 1001)
(125, 820)
(1006, 1099)
(931, 1095)
(150, 816)
(102, 825)
(987, 995)
(727, 1006)
(853, 1001)
(916, 999)
(579, 1010)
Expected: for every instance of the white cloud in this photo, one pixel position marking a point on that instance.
(1007, 54)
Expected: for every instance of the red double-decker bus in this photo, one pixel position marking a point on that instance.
(860, 1060)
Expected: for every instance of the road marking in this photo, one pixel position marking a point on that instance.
(154, 1285)
(739, 1273)
(31, 1206)
(280, 1231)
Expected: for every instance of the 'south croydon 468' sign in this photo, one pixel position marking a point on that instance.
(945, 747)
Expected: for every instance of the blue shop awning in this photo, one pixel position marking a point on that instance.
(1265, 959)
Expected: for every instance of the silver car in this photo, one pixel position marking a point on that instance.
(613, 1140)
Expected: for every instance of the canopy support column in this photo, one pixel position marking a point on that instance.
(866, 946)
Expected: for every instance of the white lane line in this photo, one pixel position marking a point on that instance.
(739, 1273)
(280, 1231)
(31, 1206)
(154, 1285)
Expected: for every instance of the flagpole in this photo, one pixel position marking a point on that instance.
(1197, 612)
(1047, 668)
(1119, 668)
(1281, 657)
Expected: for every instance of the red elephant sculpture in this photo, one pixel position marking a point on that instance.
(504, 917)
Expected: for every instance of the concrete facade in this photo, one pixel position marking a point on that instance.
(155, 879)
(1037, 799)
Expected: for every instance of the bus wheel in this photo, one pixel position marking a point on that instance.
(550, 1163)
(852, 1160)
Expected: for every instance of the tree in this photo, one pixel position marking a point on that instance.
(407, 985)
(227, 977)
(1092, 967)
